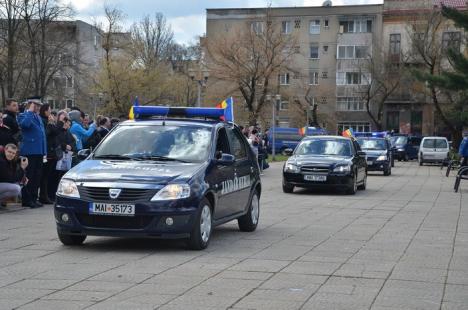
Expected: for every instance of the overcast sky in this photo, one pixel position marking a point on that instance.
(187, 17)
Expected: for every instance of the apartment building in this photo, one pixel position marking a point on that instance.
(332, 43)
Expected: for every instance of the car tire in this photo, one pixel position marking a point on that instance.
(353, 188)
(71, 239)
(249, 221)
(421, 160)
(393, 162)
(363, 186)
(388, 171)
(406, 158)
(288, 188)
(202, 228)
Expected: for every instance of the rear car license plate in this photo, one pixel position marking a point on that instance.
(112, 209)
(317, 178)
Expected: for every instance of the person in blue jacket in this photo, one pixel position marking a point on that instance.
(77, 129)
(463, 150)
(34, 147)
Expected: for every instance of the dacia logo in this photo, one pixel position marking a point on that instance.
(114, 193)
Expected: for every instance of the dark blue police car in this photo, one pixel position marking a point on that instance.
(162, 177)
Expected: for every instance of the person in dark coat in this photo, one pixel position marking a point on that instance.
(9, 119)
(5, 133)
(11, 172)
(67, 143)
(51, 130)
(34, 147)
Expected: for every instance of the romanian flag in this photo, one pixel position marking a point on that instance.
(347, 133)
(228, 106)
(136, 103)
(302, 131)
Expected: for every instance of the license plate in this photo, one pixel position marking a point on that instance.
(317, 178)
(370, 163)
(112, 209)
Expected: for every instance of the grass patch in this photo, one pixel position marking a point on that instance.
(278, 157)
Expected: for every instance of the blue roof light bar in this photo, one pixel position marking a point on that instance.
(140, 112)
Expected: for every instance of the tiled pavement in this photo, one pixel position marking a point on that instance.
(401, 244)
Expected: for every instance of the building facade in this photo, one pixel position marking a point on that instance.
(331, 64)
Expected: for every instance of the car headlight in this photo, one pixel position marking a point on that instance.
(342, 169)
(400, 150)
(291, 168)
(382, 157)
(172, 192)
(68, 188)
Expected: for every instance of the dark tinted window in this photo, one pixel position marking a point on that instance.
(336, 147)
(236, 143)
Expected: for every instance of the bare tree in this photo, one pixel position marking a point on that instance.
(152, 40)
(251, 58)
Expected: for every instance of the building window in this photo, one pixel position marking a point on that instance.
(355, 126)
(395, 44)
(314, 52)
(314, 26)
(313, 103)
(349, 104)
(356, 25)
(451, 40)
(257, 27)
(284, 105)
(324, 74)
(69, 83)
(66, 59)
(313, 78)
(69, 102)
(352, 52)
(353, 78)
(283, 79)
(286, 27)
(325, 23)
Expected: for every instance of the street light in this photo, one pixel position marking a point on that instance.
(201, 77)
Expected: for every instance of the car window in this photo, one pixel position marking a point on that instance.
(372, 144)
(187, 143)
(237, 145)
(428, 143)
(441, 144)
(415, 141)
(222, 144)
(399, 140)
(325, 147)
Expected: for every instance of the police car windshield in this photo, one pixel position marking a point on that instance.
(324, 147)
(372, 144)
(399, 140)
(157, 142)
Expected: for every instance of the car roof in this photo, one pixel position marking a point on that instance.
(372, 138)
(434, 137)
(172, 121)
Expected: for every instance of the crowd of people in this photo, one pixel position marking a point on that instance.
(259, 143)
(38, 145)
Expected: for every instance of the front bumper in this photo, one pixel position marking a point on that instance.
(337, 181)
(378, 165)
(149, 219)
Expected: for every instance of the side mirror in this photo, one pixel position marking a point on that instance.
(83, 154)
(288, 152)
(361, 154)
(226, 159)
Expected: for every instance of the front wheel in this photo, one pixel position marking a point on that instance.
(421, 161)
(71, 239)
(353, 188)
(249, 221)
(288, 188)
(388, 171)
(201, 232)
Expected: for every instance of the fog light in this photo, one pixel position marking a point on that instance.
(169, 221)
(65, 217)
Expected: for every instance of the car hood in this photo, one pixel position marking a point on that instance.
(302, 160)
(132, 171)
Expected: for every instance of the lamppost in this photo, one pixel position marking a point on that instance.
(275, 103)
(201, 77)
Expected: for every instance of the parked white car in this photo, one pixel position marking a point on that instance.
(433, 150)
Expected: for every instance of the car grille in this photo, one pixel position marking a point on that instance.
(127, 194)
(315, 169)
(118, 222)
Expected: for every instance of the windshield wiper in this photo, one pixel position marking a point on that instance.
(161, 158)
(115, 156)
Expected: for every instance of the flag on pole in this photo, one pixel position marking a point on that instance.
(347, 133)
(228, 106)
(136, 103)
(303, 131)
